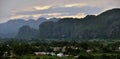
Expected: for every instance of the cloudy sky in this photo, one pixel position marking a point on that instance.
(27, 9)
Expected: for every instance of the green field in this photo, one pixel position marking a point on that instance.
(41, 57)
(83, 55)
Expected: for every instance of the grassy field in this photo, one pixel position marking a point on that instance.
(91, 55)
(55, 57)
(42, 57)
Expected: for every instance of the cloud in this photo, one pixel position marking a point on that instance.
(35, 16)
(79, 15)
(41, 7)
(53, 8)
(54, 14)
(87, 10)
(75, 5)
(19, 16)
(60, 12)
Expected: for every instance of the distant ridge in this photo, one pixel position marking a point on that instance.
(10, 28)
(105, 26)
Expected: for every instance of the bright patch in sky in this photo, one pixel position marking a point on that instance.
(75, 5)
(41, 7)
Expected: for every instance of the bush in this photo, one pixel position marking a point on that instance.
(37, 58)
(85, 56)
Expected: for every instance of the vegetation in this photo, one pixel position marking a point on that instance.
(94, 49)
(92, 37)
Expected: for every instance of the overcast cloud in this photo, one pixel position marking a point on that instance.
(12, 9)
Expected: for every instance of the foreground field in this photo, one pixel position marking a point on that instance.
(38, 57)
(81, 56)
(88, 49)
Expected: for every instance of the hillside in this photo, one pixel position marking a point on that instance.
(26, 32)
(105, 25)
(11, 28)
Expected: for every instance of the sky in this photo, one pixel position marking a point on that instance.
(33, 9)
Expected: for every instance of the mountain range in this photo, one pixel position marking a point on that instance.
(10, 29)
(103, 26)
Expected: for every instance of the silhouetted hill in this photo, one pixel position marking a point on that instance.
(105, 25)
(10, 28)
(25, 32)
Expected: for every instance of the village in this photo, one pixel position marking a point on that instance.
(60, 50)
(57, 51)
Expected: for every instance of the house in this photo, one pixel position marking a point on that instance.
(88, 51)
(64, 49)
(57, 48)
(52, 54)
(5, 54)
(60, 54)
(40, 53)
(9, 54)
(12, 54)
(44, 53)
(76, 56)
(119, 48)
